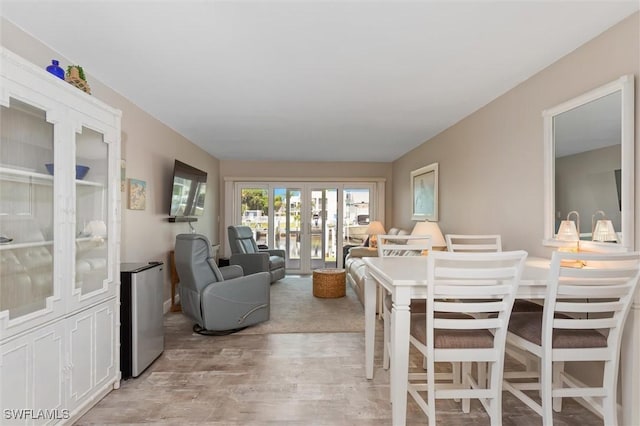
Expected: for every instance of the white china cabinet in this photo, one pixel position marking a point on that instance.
(59, 246)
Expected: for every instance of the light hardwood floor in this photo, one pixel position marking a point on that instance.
(279, 379)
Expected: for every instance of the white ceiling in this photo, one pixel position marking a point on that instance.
(313, 80)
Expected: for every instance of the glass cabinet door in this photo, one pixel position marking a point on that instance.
(323, 219)
(26, 209)
(91, 181)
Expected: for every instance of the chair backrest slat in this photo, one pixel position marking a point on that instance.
(468, 306)
(589, 306)
(466, 324)
(496, 273)
(594, 274)
(403, 245)
(594, 291)
(472, 291)
(473, 243)
(584, 323)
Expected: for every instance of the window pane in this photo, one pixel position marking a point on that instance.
(255, 209)
(356, 215)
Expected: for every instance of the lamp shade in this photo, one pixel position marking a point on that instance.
(568, 231)
(375, 228)
(604, 231)
(429, 228)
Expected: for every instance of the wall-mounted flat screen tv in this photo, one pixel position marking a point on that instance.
(188, 190)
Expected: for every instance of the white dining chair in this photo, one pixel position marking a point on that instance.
(584, 314)
(488, 243)
(469, 301)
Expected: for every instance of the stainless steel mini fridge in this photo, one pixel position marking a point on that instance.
(141, 316)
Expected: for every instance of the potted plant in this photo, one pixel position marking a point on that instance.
(76, 71)
(75, 75)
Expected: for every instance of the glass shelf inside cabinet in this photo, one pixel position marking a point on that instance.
(13, 174)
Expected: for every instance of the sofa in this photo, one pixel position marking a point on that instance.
(355, 268)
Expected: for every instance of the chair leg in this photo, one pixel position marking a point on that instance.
(558, 368)
(466, 371)
(431, 394)
(455, 376)
(390, 354)
(546, 386)
(609, 404)
(494, 382)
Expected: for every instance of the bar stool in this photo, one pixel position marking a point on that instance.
(587, 327)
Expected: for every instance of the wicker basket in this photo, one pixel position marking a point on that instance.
(329, 283)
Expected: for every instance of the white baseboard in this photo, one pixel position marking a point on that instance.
(91, 402)
(166, 306)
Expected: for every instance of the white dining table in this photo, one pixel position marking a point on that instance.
(405, 278)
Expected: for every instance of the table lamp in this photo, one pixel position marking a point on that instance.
(374, 229)
(568, 231)
(604, 232)
(430, 228)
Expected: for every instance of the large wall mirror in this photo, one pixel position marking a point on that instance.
(589, 166)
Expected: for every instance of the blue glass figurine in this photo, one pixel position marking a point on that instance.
(55, 69)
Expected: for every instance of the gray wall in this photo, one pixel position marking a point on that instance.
(491, 162)
(585, 182)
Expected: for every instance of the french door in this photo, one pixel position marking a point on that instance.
(310, 221)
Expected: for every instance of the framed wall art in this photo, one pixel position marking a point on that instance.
(137, 194)
(424, 193)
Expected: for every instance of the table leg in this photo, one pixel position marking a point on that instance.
(369, 323)
(401, 321)
(380, 292)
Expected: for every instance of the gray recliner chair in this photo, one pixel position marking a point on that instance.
(245, 252)
(218, 300)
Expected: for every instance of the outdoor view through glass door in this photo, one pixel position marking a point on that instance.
(322, 223)
(311, 222)
(286, 208)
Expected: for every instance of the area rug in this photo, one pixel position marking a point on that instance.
(294, 309)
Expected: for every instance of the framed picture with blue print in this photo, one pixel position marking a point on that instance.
(424, 193)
